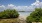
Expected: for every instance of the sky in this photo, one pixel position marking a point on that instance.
(20, 5)
(17, 2)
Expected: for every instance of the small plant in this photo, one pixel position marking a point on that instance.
(35, 16)
(9, 14)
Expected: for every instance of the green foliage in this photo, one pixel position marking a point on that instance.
(35, 16)
(9, 14)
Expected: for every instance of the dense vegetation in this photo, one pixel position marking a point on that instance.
(9, 14)
(35, 16)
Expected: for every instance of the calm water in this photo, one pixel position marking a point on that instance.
(24, 13)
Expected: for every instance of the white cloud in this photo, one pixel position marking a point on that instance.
(11, 6)
(36, 4)
(20, 8)
(2, 7)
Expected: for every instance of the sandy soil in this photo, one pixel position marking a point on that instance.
(22, 17)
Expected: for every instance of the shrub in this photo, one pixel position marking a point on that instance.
(35, 16)
(9, 14)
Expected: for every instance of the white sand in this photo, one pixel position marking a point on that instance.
(22, 17)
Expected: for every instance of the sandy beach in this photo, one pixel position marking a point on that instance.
(22, 17)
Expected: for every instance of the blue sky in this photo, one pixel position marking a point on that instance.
(17, 2)
(25, 5)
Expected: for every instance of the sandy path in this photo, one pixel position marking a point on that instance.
(22, 17)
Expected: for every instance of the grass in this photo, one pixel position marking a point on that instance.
(9, 20)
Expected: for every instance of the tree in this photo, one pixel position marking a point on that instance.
(35, 16)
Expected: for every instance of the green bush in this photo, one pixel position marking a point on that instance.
(35, 16)
(9, 14)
